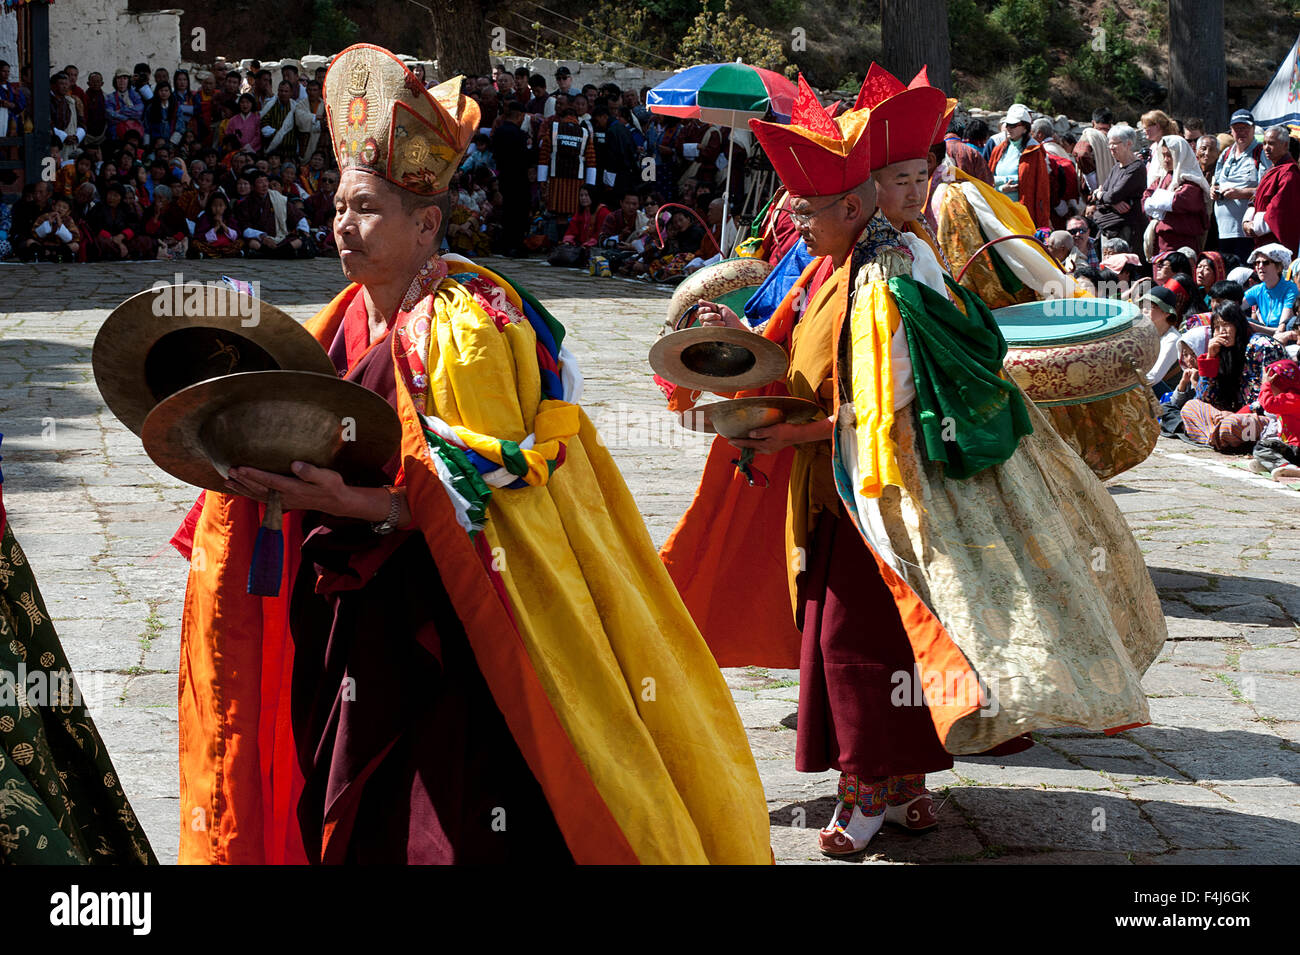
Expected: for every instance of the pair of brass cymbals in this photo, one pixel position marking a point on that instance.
(210, 377)
(723, 360)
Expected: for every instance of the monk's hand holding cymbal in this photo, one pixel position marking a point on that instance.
(313, 488)
(713, 314)
(778, 437)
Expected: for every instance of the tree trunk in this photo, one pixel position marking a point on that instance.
(1198, 73)
(461, 38)
(915, 34)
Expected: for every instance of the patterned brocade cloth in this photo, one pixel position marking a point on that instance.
(61, 802)
(1111, 435)
(1036, 578)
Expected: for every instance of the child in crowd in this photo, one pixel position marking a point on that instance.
(56, 233)
(1279, 454)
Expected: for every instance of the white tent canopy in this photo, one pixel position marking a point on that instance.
(1281, 100)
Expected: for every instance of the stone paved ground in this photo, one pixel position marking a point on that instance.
(1212, 780)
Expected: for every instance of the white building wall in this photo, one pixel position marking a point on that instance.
(100, 35)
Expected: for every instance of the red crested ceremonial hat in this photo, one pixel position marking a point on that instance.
(905, 121)
(817, 155)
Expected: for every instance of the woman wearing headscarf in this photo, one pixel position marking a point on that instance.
(1179, 199)
(1092, 153)
(1019, 166)
(1210, 270)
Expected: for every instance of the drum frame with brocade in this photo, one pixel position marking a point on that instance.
(1112, 426)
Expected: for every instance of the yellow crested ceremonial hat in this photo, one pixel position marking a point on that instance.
(383, 121)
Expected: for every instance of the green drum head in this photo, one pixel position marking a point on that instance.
(737, 299)
(1063, 321)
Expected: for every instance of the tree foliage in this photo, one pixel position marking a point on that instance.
(609, 31)
(723, 36)
(1108, 61)
(331, 28)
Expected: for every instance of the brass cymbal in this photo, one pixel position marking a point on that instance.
(149, 348)
(718, 359)
(737, 417)
(268, 420)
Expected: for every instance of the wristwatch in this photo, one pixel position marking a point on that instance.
(394, 509)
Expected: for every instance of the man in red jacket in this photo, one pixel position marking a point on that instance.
(1275, 215)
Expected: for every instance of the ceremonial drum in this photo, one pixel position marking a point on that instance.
(730, 282)
(1083, 361)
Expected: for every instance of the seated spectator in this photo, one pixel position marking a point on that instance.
(1179, 199)
(1168, 264)
(1061, 246)
(1085, 247)
(1160, 306)
(56, 233)
(309, 175)
(84, 201)
(257, 221)
(299, 225)
(1192, 345)
(165, 224)
(1189, 296)
(34, 204)
(622, 224)
(215, 234)
(1278, 454)
(1089, 278)
(1229, 378)
(478, 158)
(465, 228)
(1210, 270)
(1225, 291)
(140, 245)
(1124, 265)
(1271, 304)
(586, 224)
(112, 225)
(320, 211)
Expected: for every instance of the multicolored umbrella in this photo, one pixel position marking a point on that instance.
(724, 94)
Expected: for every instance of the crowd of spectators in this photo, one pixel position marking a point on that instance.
(159, 165)
(1200, 230)
(230, 162)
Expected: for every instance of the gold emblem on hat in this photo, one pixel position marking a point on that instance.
(358, 77)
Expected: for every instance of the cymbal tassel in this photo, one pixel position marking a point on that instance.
(267, 566)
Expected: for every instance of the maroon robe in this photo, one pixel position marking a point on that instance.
(393, 719)
(1187, 220)
(1278, 197)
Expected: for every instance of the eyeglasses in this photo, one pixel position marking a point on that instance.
(802, 219)
(1080, 230)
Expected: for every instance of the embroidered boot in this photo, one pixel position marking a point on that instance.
(908, 804)
(859, 814)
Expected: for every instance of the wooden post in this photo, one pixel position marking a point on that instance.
(915, 34)
(37, 145)
(1198, 72)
